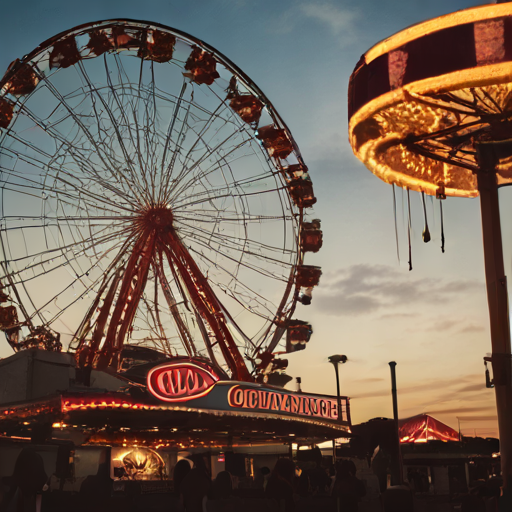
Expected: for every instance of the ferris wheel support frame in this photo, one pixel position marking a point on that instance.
(204, 301)
(154, 234)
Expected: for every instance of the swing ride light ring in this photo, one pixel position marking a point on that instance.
(420, 99)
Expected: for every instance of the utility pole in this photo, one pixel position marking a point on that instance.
(397, 478)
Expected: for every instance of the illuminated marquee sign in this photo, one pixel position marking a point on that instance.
(245, 397)
(181, 380)
(201, 387)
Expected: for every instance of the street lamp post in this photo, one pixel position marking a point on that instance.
(335, 360)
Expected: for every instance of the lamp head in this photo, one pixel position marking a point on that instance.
(338, 359)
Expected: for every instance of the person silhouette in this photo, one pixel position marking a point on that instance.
(281, 482)
(27, 481)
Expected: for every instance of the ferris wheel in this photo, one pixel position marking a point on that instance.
(152, 196)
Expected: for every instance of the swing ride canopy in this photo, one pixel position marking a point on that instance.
(419, 100)
(152, 196)
(422, 428)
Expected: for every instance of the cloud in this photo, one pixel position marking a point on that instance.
(478, 418)
(456, 410)
(473, 387)
(395, 316)
(363, 288)
(372, 394)
(355, 304)
(462, 322)
(471, 328)
(442, 384)
(443, 325)
(405, 390)
(371, 379)
(338, 20)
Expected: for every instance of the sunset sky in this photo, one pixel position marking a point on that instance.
(433, 321)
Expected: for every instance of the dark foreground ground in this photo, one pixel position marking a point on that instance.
(167, 503)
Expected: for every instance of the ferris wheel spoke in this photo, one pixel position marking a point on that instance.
(172, 98)
(106, 153)
(235, 244)
(209, 215)
(170, 129)
(198, 138)
(71, 261)
(218, 167)
(208, 189)
(27, 144)
(97, 197)
(80, 188)
(211, 194)
(233, 275)
(66, 218)
(72, 148)
(168, 172)
(94, 177)
(87, 290)
(141, 154)
(231, 195)
(209, 152)
(197, 179)
(71, 199)
(150, 110)
(131, 181)
(19, 275)
(77, 120)
(143, 191)
(46, 271)
(147, 129)
(61, 252)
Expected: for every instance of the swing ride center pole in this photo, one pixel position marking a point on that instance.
(497, 297)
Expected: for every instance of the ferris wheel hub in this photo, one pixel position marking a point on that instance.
(155, 218)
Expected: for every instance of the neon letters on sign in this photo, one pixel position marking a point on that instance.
(242, 397)
(179, 381)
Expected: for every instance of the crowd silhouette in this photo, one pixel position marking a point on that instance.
(287, 488)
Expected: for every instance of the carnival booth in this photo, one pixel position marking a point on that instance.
(185, 409)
